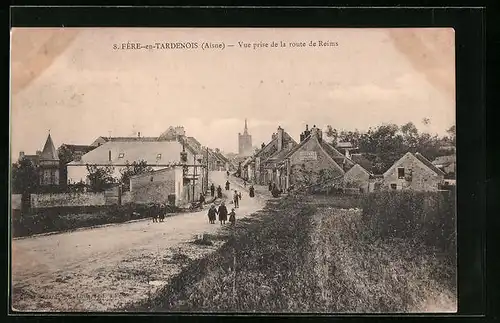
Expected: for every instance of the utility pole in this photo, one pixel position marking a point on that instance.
(194, 175)
(206, 179)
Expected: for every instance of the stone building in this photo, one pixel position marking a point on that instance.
(413, 172)
(260, 169)
(245, 142)
(48, 164)
(162, 186)
(311, 161)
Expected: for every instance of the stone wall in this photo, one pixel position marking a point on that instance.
(422, 178)
(67, 199)
(311, 159)
(153, 187)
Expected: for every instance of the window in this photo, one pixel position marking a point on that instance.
(394, 186)
(401, 173)
(121, 155)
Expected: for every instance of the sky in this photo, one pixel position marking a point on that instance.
(73, 83)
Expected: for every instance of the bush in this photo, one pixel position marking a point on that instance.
(419, 216)
(59, 219)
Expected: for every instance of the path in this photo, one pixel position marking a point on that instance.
(84, 270)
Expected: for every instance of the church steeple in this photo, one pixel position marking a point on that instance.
(246, 128)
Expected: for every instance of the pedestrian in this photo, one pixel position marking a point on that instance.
(227, 173)
(212, 214)
(152, 212)
(222, 213)
(244, 182)
(202, 198)
(252, 191)
(236, 199)
(270, 187)
(219, 192)
(163, 209)
(212, 190)
(232, 217)
(227, 185)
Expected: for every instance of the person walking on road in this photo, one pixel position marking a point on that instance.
(212, 214)
(202, 199)
(222, 213)
(232, 217)
(212, 190)
(227, 185)
(219, 192)
(244, 182)
(227, 173)
(251, 191)
(236, 199)
(270, 186)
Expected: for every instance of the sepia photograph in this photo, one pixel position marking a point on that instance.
(233, 170)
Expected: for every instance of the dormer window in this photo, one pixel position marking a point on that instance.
(121, 155)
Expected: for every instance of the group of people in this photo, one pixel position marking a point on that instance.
(212, 191)
(157, 212)
(222, 213)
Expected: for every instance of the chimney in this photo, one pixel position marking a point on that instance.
(280, 138)
(109, 155)
(38, 152)
(139, 134)
(347, 154)
(263, 145)
(21, 154)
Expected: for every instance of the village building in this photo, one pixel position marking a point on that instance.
(162, 186)
(312, 159)
(245, 142)
(48, 164)
(413, 172)
(260, 169)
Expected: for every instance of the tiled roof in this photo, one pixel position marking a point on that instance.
(49, 150)
(444, 160)
(130, 138)
(429, 164)
(82, 148)
(133, 151)
(362, 161)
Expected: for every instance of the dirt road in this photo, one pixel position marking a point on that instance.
(104, 268)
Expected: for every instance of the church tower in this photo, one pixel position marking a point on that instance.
(245, 142)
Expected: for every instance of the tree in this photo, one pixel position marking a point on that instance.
(100, 178)
(410, 135)
(452, 133)
(332, 134)
(25, 178)
(133, 169)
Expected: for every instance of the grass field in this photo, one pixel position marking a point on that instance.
(302, 255)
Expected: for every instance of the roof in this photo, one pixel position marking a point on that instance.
(272, 146)
(133, 151)
(444, 160)
(362, 161)
(49, 150)
(194, 141)
(427, 163)
(107, 139)
(344, 144)
(82, 148)
(422, 159)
